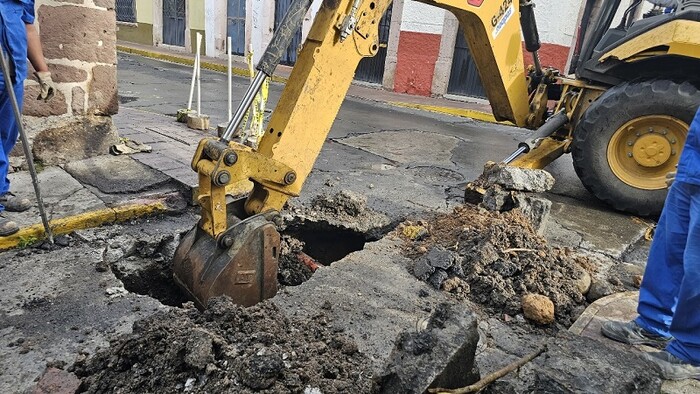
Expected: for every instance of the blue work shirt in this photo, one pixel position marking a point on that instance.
(14, 14)
(689, 163)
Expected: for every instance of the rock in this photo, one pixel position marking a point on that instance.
(261, 371)
(199, 350)
(583, 281)
(628, 274)
(538, 308)
(56, 381)
(438, 278)
(573, 362)
(437, 257)
(536, 209)
(599, 289)
(520, 179)
(498, 199)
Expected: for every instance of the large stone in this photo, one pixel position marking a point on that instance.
(535, 209)
(116, 174)
(414, 342)
(538, 308)
(61, 73)
(103, 91)
(520, 179)
(33, 107)
(108, 4)
(78, 139)
(78, 33)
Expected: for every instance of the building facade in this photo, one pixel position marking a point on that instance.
(422, 50)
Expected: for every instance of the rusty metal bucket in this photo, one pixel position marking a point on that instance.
(241, 263)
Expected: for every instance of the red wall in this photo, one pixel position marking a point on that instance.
(415, 62)
(551, 55)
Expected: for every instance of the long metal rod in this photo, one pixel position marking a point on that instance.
(230, 76)
(514, 155)
(243, 107)
(25, 142)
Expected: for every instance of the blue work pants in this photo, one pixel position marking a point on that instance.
(669, 297)
(8, 133)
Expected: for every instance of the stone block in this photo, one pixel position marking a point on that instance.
(61, 73)
(103, 91)
(78, 139)
(78, 33)
(116, 174)
(78, 101)
(198, 122)
(535, 209)
(33, 107)
(498, 199)
(520, 179)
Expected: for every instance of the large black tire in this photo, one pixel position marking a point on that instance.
(616, 108)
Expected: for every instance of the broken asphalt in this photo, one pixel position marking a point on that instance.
(408, 162)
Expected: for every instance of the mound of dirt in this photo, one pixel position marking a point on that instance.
(228, 348)
(494, 259)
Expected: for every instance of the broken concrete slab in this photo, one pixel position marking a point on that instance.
(63, 195)
(369, 301)
(535, 209)
(116, 174)
(517, 178)
(571, 363)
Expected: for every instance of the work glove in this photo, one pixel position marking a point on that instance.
(47, 85)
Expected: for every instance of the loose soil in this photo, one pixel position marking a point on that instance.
(228, 348)
(499, 258)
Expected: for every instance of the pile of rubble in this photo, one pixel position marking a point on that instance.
(493, 255)
(228, 348)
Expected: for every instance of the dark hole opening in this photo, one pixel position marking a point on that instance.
(329, 245)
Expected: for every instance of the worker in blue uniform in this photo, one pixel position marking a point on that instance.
(669, 297)
(20, 41)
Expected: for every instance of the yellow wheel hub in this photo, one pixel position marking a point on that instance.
(645, 149)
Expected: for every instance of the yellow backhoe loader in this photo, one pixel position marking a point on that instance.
(623, 114)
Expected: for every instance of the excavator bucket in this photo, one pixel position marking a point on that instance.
(241, 263)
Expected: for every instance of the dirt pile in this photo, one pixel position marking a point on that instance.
(228, 349)
(494, 259)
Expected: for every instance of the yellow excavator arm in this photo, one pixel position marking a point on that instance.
(225, 253)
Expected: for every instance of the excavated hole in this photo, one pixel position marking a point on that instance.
(146, 268)
(328, 245)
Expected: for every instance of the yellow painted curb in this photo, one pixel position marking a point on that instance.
(31, 234)
(190, 62)
(463, 112)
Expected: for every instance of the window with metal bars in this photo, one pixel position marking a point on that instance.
(126, 10)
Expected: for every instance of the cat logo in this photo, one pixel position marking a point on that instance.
(475, 3)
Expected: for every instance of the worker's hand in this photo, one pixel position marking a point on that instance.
(670, 178)
(47, 85)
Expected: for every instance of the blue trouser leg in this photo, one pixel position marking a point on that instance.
(685, 327)
(658, 293)
(8, 133)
